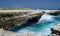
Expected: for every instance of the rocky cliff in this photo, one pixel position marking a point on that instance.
(14, 19)
(7, 21)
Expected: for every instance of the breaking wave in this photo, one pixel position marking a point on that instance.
(43, 25)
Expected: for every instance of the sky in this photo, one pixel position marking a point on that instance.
(37, 4)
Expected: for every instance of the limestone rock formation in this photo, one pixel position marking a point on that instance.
(13, 19)
(6, 33)
(56, 30)
(54, 13)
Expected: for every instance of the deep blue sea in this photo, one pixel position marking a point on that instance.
(43, 25)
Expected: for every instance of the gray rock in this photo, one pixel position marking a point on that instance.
(7, 21)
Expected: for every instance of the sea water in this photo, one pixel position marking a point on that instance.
(43, 25)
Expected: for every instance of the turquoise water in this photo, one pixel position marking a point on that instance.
(43, 25)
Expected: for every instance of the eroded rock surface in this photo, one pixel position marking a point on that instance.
(54, 13)
(7, 21)
(56, 30)
(9, 33)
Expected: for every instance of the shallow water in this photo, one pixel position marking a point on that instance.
(43, 25)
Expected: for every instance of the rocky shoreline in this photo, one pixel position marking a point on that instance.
(7, 21)
(54, 13)
(9, 33)
(55, 31)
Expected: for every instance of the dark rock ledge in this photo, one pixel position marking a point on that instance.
(54, 13)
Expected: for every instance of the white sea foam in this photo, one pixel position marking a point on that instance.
(46, 17)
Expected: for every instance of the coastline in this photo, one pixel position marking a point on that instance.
(21, 15)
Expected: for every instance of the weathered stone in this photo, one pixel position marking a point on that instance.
(54, 13)
(7, 21)
(9, 33)
(56, 30)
